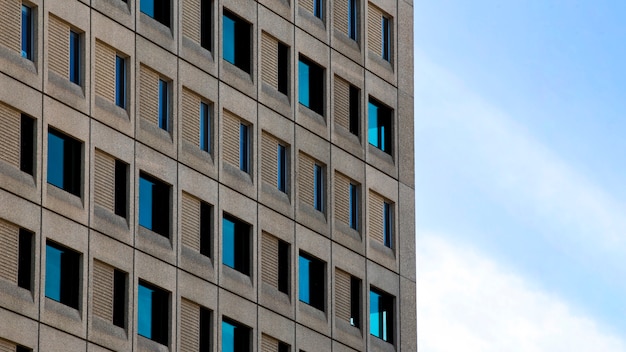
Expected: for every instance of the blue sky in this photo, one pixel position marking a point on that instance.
(520, 120)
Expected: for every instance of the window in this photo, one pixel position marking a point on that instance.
(271, 344)
(206, 33)
(25, 259)
(195, 325)
(348, 298)
(153, 312)
(283, 68)
(381, 315)
(120, 81)
(355, 301)
(311, 85)
(64, 162)
(354, 206)
(27, 32)
(236, 41)
(236, 244)
(119, 298)
(205, 229)
(154, 205)
(163, 105)
(27, 134)
(281, 168)
(312, 281)
(62, 274)
(354, 110)
(318, 187)
(353, 7)
(386, 40)
(235, 336)
(275, 262)
(157, 9)
(205, 127)
(387, 224)
(318, 7)
(379, 129)
(121, 172)
(75, 57)
(244, 148)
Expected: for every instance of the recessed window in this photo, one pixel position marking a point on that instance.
(311, 85)
(236, 41)
(312, 285)
(318, 187)
(27, 32)
(120, 82)
(154, 205)
(163, 105)
(283, 68)
(62, 274)
(64, 162)
(25, 259)
(205, 127)
(205, 228)
(206, 33)
(119, 298)
(381, 315)
(235, 336)
(27, 144)
(353, 206)
(386, 39)
(75, 61)
(354, 110)
(157, 9)
(236, 244)
(121, 193)
(388, 224)
(318, 8)
(379, 126)
(353, 7)
(244, 147)
(281, 168)
(153, 312)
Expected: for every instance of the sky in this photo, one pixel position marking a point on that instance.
(520, 124)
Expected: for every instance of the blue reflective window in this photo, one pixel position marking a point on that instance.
(387, 224)
(381, 315)
(354, 207)
(152, 312)
(318, 187)
(154, 204)
(353, 7)
(64, 162)
(236, 244)
(205, 127)
(311, 85)
(163, 105)
(27, 32)
(235, 336)
(244, 147)
(147, 7)
(311, 281)
(120, 82)
(236, 41)
(318, 8)
(281, 168)
(386, 39)
(75, 57)
(157, 9)
(379, 126)
(62, 274)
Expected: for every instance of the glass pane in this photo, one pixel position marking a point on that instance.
(372, 125)
(304, 267)
(147, 7)
(229, 39)
(282, 174)
(74, 57)
(56, 146)
(53, 273)
(375, 316)
(303, 84)
(145, 203)
(228, 337)
(228, 238)
(120, 82)
(163, 101)
(26, 32)
(243, 147)
(144, 311)
(204, 127)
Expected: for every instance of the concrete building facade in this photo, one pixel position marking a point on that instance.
(207, 175)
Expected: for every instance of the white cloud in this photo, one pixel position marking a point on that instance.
(468, 303)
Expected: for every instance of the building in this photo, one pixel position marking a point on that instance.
(197, 175)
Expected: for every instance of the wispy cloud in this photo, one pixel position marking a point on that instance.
(467, 302)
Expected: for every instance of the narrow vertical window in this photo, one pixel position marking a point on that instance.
(381, 315)
(206, 33)
(205, 127)
(283, 267)
(163, 105)
(205, 329)
(386, 43)
(27, 135)
(318, 188)
(387, 224)
(283, 68)
(75, 57)
(353, 6)
(282, 168)
(354, 207)
(121, 193)
(120, 82)
(153, 312)
(244, 148)
(25, 259)
(355, 301)
(318, 8)
(119, 298)
(205, 229)
(354, 110)
(27, 32)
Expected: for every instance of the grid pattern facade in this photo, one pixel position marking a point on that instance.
(129, 134)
